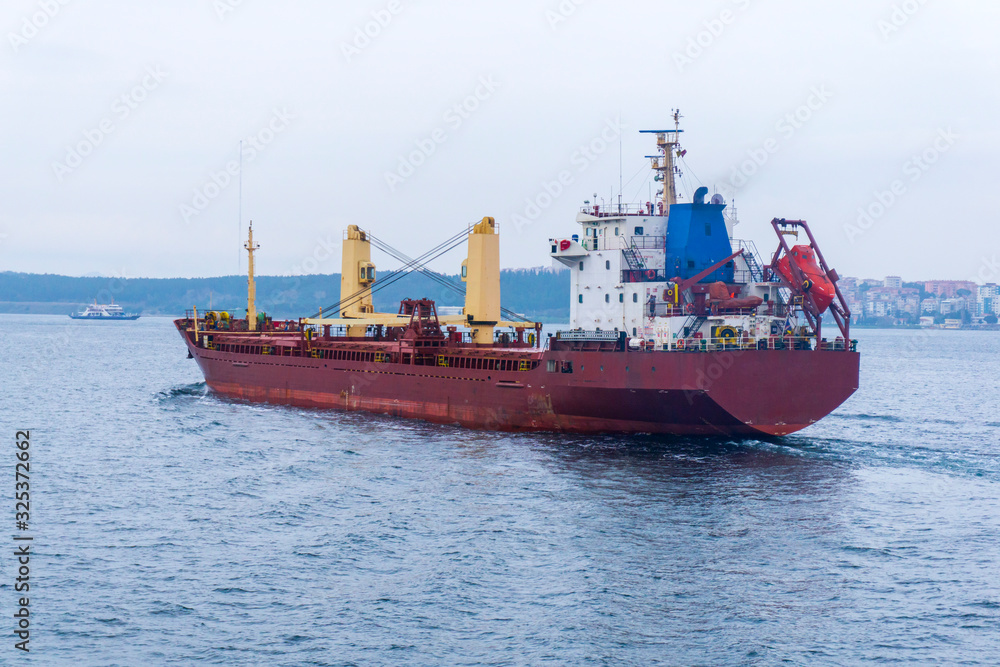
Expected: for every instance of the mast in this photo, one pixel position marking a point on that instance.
(669, 144)
(251, 285)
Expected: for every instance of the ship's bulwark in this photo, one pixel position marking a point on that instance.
(738, 392)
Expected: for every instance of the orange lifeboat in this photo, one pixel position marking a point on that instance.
(815, 282)
(720, 298)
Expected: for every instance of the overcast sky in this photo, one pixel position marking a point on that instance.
(120, 120)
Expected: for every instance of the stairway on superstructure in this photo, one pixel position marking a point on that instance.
(632, 257)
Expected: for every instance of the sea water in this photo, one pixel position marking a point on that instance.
(172, 526)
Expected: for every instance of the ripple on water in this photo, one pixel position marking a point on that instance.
(176, 526)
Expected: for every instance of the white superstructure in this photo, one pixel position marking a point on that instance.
(620, 278)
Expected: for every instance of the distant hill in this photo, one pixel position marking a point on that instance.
(538, 293)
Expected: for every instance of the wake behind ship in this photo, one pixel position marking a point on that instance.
(676, 327)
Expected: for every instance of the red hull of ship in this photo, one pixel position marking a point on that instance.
(739, 392)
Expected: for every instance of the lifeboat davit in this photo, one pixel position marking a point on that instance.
(815, 282)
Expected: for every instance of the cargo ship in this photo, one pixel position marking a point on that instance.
(677, 327)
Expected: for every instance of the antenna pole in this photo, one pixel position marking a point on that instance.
(620, 187)
(239, 255)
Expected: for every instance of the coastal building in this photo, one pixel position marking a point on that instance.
(956, 305)
(949, 288)
(988, 300)
(908, 303)
(869, 298)
(878, 309)
(931, 305)
(880, 302)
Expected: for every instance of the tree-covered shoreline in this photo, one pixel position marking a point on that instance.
(537, 293)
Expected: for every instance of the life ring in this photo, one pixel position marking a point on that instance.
(531, 339)
(689, 309)
(680, 343)
(651, 274)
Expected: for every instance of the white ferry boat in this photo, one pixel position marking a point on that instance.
(110, 311)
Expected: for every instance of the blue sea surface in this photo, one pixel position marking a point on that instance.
(175, 527)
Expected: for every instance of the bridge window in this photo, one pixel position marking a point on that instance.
(638, 231)
(616, 231)
(580, 298)
(581, 266)
(607, 264)
(621, 298)
(607, 298)
(635, 298)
